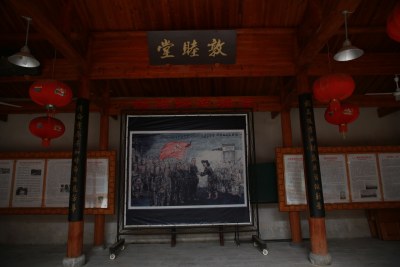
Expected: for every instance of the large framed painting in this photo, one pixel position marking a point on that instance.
(185, 170)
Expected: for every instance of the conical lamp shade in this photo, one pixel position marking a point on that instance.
(348, 52)
(24, 58)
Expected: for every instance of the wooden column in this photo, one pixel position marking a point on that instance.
(75, 256)
(294, 216)
(99, 219)
(319, 248)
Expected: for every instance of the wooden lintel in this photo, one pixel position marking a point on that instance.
(184, 104)
(29, 107)
(288, 94)
(101, 98)
(363, 101)
(125, 55)
(255, 103)
(117, 105)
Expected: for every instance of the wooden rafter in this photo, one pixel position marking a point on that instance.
(329, 26)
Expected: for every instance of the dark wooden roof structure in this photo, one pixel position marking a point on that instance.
(106, 42)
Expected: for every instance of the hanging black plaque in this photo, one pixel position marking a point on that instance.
(192, 47)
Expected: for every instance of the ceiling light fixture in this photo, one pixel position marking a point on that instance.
(347, 52)
(396, 93)
(24, 57)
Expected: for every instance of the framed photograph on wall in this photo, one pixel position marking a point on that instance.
(186, 170)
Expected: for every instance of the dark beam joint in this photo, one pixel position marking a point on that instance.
(4, 117)
(274, 114)
(288, 94)
(382, 112)
(311, 21)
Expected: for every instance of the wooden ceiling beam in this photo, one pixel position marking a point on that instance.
(368, 64)
(45, 27)
(363, 101)
(365, 65)
(328, 27)
(150, 104)
(255, 103)
(63, 70)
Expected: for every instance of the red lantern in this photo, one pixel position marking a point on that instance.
(332, 88)
(50, 93)
(46, 128)
(393, 24)
(343, 116)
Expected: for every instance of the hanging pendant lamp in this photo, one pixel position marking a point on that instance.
(348, 51)
(24, 57)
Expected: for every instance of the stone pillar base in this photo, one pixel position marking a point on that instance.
(320, 260)
(74, 262)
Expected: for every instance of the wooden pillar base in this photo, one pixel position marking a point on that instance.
(319, 247)
(295, 227)
(99, 225)
(75, 239)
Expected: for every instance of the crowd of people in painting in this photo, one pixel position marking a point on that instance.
(176, 182)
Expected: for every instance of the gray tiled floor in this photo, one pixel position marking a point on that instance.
(344, 252)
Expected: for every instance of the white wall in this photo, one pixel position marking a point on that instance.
(367, 130)
(15, 135)
(52, 229)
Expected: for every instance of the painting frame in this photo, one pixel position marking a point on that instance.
(186, 170)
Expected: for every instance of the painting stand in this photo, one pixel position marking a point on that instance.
(163, 155)
(260, 244)
(173, 237)
(116, 248)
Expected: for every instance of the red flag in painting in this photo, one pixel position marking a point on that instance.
(174, 150)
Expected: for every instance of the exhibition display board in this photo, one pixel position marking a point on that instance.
(352, 177)
(39, 182)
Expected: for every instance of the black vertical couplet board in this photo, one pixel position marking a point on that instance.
(311, 158)
(78, 166)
